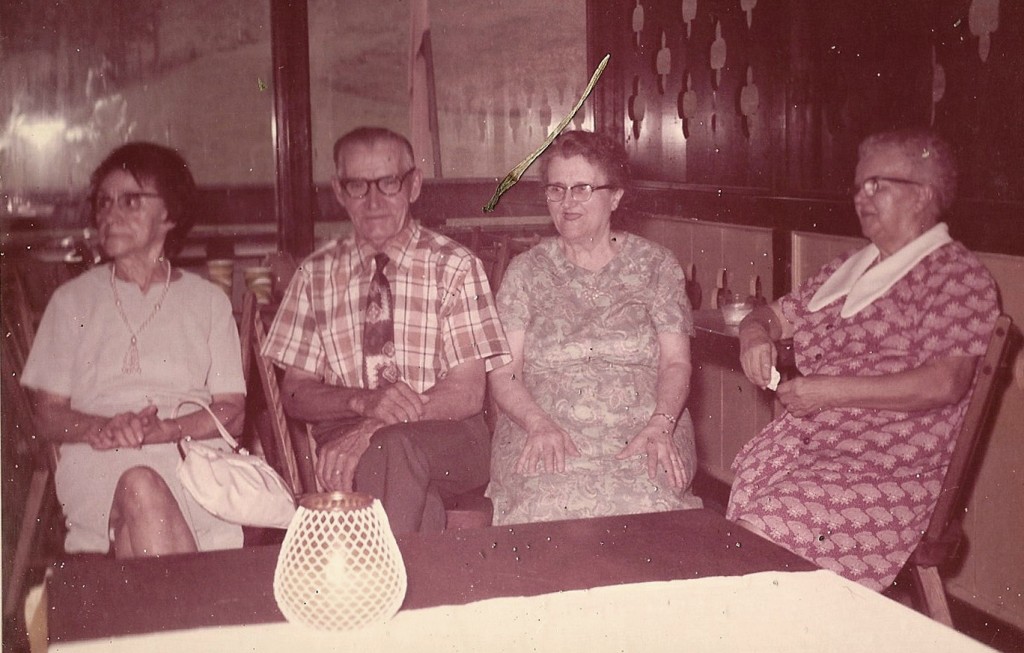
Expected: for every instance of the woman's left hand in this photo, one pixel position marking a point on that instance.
(661, 451)
(804, 395)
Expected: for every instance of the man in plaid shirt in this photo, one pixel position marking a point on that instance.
(415, 432)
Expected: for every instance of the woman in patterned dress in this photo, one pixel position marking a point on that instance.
(592, 415)
(886, 341)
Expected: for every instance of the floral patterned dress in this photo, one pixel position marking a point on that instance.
(852, 489)
(591, 362)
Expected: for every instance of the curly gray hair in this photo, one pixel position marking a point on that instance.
(930, 155)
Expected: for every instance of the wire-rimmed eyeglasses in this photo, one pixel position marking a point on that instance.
(579, 192)
(130, 201)
(357, 188)
(870, 185)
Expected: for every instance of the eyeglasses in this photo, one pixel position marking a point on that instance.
(388, 186)
(579, 192)
(870, 185)
(130, 201)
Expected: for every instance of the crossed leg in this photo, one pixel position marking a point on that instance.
(145, 518)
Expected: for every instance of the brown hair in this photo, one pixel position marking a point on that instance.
(167, 171)
(598, 150)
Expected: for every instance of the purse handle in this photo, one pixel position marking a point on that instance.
(232, 442)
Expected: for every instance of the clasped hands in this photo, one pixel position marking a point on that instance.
(801, 396)
(548, 445)
(337, 460)
(128, 430)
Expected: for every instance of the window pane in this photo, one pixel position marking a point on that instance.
(505, 74)
(80, 77)
(357, 70)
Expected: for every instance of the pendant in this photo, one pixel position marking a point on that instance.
(130, 365)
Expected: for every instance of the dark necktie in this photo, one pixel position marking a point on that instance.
(379, 366)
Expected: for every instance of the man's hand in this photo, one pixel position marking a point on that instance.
(391, 404)
(337, 461)
(661, 451)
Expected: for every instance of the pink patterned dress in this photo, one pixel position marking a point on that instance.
(852, 489)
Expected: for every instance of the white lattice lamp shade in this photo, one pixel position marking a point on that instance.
(339, 566)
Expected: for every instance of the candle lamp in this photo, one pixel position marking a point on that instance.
(339, 567)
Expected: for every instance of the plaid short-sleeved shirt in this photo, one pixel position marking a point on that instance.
(444, 311)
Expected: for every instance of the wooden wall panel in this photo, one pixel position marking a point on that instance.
(993, 572)
(983, 100)
(705, 406)
(743, 252)
(726, 409)
(811, 251)
(683, 82)
(827, 74)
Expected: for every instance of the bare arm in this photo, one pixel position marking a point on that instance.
(546, 444)
(229, 409)
(673, 388)
(759, 331)
(937, 383)
(460, 394)
(306, 397)
(457, 396)
(60, 423)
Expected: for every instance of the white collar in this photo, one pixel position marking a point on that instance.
(862, 284)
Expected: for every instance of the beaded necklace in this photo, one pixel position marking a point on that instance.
(130, 365)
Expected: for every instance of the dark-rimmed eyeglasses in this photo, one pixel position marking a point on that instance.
(357, 188)
(130, 201)
(579, 192)
(870, 185)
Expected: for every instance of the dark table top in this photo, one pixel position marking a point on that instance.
(100, 597)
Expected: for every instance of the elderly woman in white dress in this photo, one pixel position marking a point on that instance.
(117, 350)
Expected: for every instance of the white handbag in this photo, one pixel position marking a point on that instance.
(234, 485)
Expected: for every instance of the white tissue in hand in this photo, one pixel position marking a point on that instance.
(774, 382)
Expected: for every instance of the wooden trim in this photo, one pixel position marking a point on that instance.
(289, 36)
(982, 226)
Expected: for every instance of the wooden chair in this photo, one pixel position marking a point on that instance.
(944, 536)
(294, 463)
(41, 513)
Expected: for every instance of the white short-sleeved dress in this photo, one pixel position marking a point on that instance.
(189, 349)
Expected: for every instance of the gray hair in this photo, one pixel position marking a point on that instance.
(371, 136)
(930, 155)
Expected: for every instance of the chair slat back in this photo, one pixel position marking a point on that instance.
(284, 453)
(249, 314)
(956, 483)
(293, 442)
(19, 327)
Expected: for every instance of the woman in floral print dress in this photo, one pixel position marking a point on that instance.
(886, 341)
(592, 420)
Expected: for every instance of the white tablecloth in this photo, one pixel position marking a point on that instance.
(772, 611)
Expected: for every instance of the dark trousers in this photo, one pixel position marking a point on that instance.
(413, 467)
